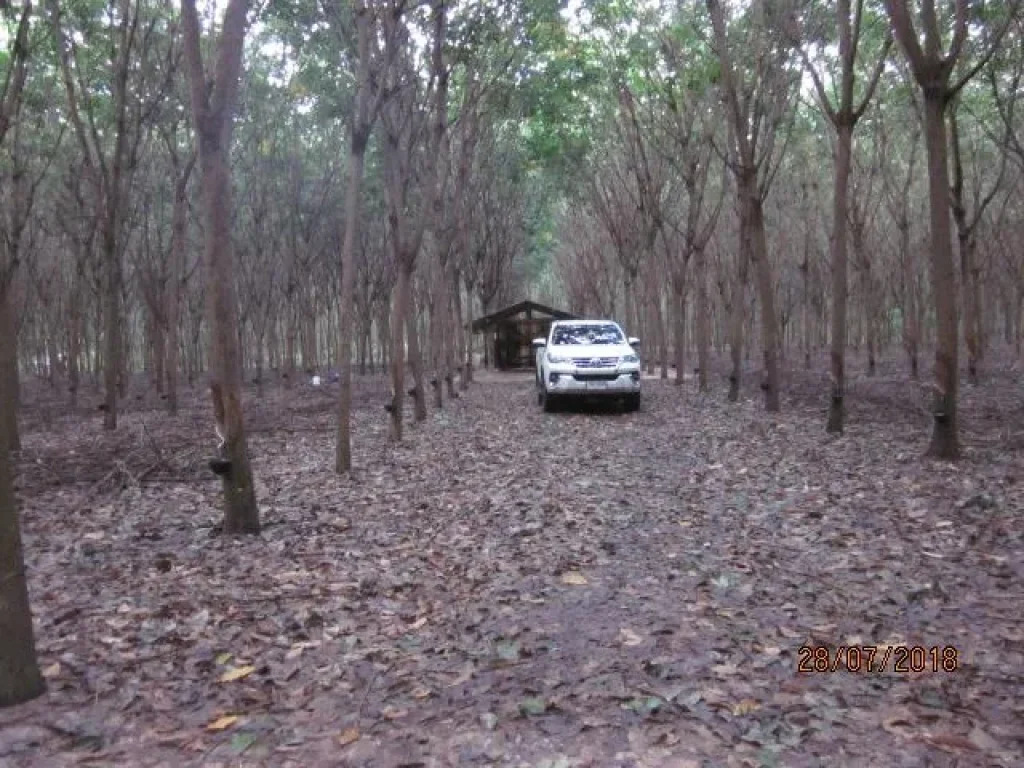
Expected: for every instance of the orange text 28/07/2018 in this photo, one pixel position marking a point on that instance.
(877, 658)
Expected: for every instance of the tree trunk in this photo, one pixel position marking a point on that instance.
(74, 349)
(438, 330)
(384, 336)
(175, 285)
(1007, 315)
(398, 325)
(739, 301)
(365, 332)
(702, 321)
(679, 330)
(461, 333)
(159, 356)
(212, 111)
(451, 336)
(628, 310)
(1018, 321)
(419, 398)
(969, 288)
(766, 292)
(468, 331)
(111, 316)
(945, 443)
(20, 679)
(9, 433)
(911, 329)
(837, 409)
(357, 152)
(241, 514)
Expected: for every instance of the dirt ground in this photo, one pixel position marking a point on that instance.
(514, 588)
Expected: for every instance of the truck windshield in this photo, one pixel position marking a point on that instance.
(591, 333)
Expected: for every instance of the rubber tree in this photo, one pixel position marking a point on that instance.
(932, 69)
(212, 117)
(757, 100)
(110, 152)
(843, 114)
(969, 206)
(368, 99)
(413, 131)
(20, 678)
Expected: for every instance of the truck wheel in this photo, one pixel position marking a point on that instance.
(548, 401)
(632, 403)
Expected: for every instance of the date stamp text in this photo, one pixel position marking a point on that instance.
(877, 658)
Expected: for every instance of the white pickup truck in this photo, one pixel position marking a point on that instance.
(587, 358)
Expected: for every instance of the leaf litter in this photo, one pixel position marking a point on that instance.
(510, 587)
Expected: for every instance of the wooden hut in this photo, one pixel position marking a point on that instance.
(509, 331)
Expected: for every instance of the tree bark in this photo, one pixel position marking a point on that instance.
(343, 444)
(841, 181)
(359, 137)
(9, 433)
(451, 337)
(111, 317)
(945, 442)
(74, 348)
(679, 331)
(419, 397)
(400, 310)
(766, 292)
(212, 115)
(738, 307)
(461, 333)
(179, 242)
(911, 329)
(20, 679)
(703, 321)
(966, 242)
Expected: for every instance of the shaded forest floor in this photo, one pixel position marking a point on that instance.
(509, 587)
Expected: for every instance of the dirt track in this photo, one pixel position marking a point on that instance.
(510, 587)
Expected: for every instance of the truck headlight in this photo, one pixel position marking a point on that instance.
(557, 358)
(629, 359)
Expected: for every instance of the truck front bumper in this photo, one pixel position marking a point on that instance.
(593, 383)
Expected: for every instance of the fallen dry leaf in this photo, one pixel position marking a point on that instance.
(237, 673)
(980, 739)
(950, 742)
(900, 723)
(745, 707)
(222, 723)
(629, 637)
(464, 676)
(574, 578)
(348, 736)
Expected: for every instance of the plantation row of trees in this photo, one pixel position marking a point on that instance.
(311, 184)
(706, 198)
(288, 187)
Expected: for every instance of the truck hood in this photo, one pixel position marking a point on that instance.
(592, 350)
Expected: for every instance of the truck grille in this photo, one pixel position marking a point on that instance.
(595, 376)
(595, 362)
